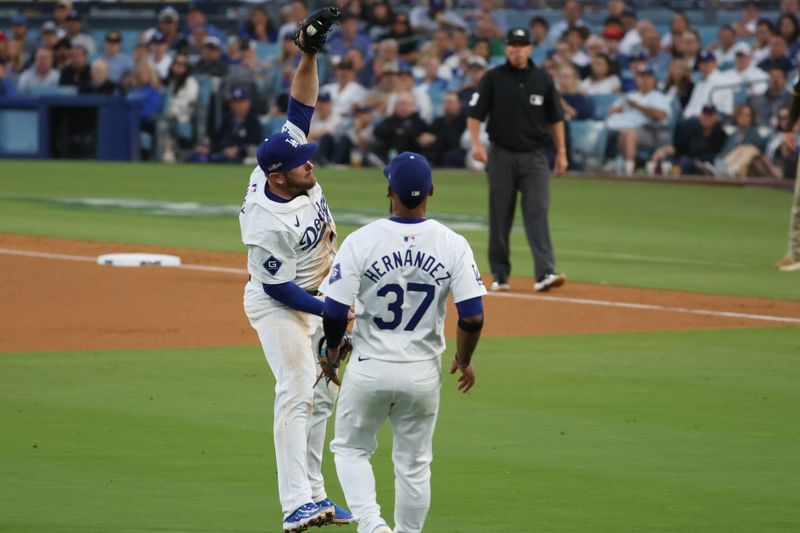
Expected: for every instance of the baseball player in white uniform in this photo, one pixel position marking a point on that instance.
(398, 272)
(291, 241)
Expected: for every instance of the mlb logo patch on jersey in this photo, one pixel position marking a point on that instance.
(336, 274)
(253, 187)
(272, 265)
(410, 240)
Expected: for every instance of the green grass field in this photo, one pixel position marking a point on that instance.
(690, 431)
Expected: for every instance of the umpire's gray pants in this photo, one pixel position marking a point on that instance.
(528, 173)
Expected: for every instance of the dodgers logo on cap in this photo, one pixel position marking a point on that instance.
(281, 152)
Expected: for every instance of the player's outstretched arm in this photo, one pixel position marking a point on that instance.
(305, 84)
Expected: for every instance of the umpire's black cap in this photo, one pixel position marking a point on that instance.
(518, 35)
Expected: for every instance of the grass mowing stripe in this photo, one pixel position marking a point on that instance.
(632, 432)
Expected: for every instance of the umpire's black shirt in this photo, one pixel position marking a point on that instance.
(521, 104)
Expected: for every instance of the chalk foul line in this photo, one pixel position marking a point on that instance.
(531, 297)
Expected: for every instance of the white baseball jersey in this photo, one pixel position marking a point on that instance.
(399, 275)
(291, 241)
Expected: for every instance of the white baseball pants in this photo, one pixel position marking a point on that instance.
(289, 339)
(408, 395)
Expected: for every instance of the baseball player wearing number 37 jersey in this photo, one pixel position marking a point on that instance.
(398, 272)
(291, 240)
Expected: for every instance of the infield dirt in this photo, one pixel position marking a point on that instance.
(71, 303)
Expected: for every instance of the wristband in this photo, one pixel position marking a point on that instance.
(470, 327)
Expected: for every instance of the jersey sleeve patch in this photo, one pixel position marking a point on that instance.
(272, 265)
(336, 274)
(478, 278)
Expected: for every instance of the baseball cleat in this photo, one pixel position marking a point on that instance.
(500, 283)
(333, 514)
(549, 281)
(307, 515)
(383, 528)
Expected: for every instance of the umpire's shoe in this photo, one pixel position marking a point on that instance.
(500, 283)
(549, 281)
(333, 514)
(308, 515)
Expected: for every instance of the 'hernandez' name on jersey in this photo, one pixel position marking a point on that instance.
(399, 275)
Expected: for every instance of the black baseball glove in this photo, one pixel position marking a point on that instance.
(314, 29)
(328, 368)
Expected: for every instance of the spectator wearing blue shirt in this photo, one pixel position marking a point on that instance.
(118, 62)
(347, 37)
(7, 88)
(259, 27)
(146, 91)
(778, 55)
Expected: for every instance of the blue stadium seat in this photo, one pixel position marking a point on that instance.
(602, 103)
(588, 140)
(270, 125)
(437, 101)
(268, 50)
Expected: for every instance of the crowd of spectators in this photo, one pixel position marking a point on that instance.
(395, 80)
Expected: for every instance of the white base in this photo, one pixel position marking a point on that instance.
(137, 260)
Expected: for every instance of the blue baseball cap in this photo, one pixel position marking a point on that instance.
(706, 55)
(281, 151)
(239, 94)
(409, 175)
(645, 69)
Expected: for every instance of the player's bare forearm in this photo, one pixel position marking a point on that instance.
(305, 84)
(467, 341)
(467, 336)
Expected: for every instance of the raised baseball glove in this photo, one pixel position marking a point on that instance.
(314, 29)
(329, 369)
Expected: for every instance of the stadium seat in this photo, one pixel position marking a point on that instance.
(270, 125)
(268, 50)
(602, 103)
(588, 140)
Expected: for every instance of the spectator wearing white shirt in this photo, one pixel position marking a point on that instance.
(602, 78)
(724, 48)
(292, 14)
(632, 41)
(324, 130)
(745, 72)
(637, 116)
(761, 49)
(573, 11)
(345, 92)
(158, 57)
(747, 26)
(76, 36)
(40, 74)
(706, 90)
(678, 25)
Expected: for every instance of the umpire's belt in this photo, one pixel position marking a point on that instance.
(312, 292)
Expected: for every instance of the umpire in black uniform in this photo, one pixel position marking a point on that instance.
(524, 115)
